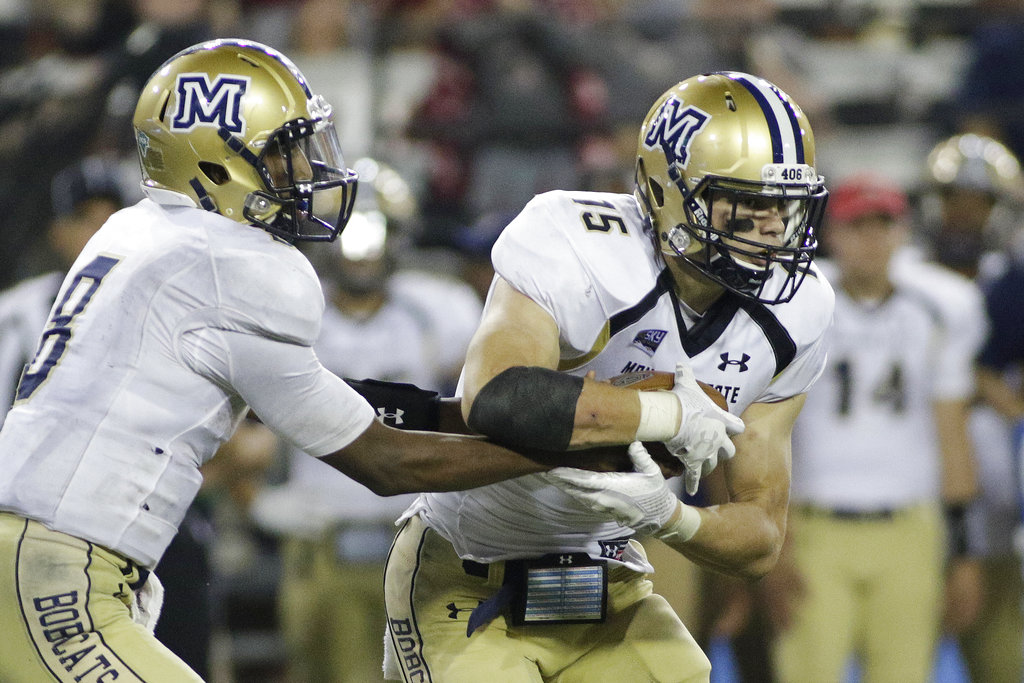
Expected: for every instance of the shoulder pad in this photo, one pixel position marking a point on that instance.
(578, 255)
(269, 288)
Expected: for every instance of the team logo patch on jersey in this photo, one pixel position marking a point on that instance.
(674, 130)
(740, 363)
(613, 549)
(649, 340)
(202, 103)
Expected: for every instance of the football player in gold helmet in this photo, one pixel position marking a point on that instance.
(706, 271)
(972, 200)
(972, 205)
(180, 314)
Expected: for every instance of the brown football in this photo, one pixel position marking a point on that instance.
(652, 380)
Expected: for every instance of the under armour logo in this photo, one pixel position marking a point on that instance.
(613, 549)
(454, 610)
(202, 103)
(565, 559)
(726, 361)
(395, 417)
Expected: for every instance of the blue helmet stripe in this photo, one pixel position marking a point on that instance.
(798, 139)
(782, 124)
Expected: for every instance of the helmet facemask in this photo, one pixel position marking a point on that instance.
(972, 199)
(309, 191)
(733, 254)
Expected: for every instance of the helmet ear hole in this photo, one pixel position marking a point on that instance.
(217, 174)
(657, 193)
(163, 107)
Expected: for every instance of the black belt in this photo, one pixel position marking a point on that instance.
(478, 569)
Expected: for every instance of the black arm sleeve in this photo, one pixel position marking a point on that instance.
(404, 406)
(527, 407)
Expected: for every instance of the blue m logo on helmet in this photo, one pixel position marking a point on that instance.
(202, 103)
(673, 132)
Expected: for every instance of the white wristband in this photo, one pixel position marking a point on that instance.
(683, 528)
(659, 416)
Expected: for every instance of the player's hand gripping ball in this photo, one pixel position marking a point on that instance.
(659, 380)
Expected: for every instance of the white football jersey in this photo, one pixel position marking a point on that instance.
(171, 322)
(589, 261)
(866, 438)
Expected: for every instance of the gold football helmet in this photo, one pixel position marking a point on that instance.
(365, 254)
(976, 162)
(731, 137)
(972, 200)
(231, 126)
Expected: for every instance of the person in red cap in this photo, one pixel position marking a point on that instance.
(882, 466)
(866, 195)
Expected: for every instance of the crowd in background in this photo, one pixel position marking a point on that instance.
(482, 103)
(478, 105)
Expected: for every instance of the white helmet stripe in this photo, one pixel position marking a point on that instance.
(787, 143)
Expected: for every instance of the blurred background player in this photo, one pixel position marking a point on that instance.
(880, 453)
(972, 195)
(1000, 373)
(972, 203)
(388, 320)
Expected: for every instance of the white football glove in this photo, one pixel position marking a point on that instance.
(640, 500)
(147, 602)
(704, 430)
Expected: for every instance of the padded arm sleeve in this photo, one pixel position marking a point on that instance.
(527, 407)
(284, 384)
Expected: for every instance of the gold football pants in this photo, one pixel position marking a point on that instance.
(873, 586)
(64, 613)
(429, 596)
(332, 606)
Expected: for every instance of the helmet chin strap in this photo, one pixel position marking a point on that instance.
(734, 274)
